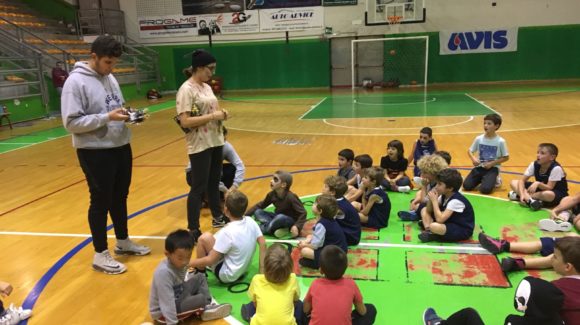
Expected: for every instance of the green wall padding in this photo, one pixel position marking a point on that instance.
(55, 9)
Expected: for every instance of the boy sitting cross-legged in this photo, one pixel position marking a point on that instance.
(449, 215)
(347, 216)
(330, 299)
(289, 215)
(376, 206)
(229, 253)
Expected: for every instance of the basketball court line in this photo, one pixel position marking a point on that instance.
(483, 104)
(471, 118)
(313, 107)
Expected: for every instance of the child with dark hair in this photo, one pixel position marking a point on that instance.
(376, 205)
(492, 151)
(445, 155)
(326, 232)
(448, 216)
(229, 252)
(173, 298)
(395, 165)
(345, 159)
(289, 215)
(550, 186)
(275, 294)
(347, 216)
(424, 146)
(330, 299)
(355, 192)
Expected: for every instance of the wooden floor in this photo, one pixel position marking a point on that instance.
(44, 197)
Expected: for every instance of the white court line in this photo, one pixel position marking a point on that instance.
(413, 128)
(313, 107)
(291, 241)
(483, 103)
(395, 104)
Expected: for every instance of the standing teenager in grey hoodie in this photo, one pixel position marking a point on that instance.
(92, 110)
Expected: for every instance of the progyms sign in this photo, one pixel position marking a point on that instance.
(478, 41)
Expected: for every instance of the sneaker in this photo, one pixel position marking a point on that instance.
(218, 223)
(513, 196)
(535, 205)
(554, 225)
(492, 245)
(281, 233)
(404, 189)
(105, 263)
(498, 181)
(215, 311)
(8, 320)
(248, 310)
(129, 247)
(427, 236)
(510, 264)
(18, 313)
(430, 317)
(408, 215)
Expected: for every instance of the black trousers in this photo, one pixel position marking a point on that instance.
(206, 168)
(466, 316)
(108, 174)
(480, 175)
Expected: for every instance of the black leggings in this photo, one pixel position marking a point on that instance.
(108, 174)
(206, 169)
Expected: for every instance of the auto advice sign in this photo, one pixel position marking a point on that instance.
(291, 19)
(478, 41)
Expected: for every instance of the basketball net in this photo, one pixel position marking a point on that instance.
(394, 23)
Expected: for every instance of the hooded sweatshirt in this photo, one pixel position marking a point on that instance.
(87, 98)
(539, 300)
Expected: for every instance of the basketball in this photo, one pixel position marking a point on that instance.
(392, 52)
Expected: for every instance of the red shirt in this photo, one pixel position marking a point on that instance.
(332, 301)
(570, 286)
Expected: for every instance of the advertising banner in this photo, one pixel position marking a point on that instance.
(478, 41)
(167, 26)
(289, 19)
(203, 7)
(271, 4)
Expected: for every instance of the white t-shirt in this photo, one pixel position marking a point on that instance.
(237, 242)
(453, 205)
(489, 149)
(556, 174)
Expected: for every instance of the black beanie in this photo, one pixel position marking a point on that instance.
(201, 58)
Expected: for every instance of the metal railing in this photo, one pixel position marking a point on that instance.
(100, 21)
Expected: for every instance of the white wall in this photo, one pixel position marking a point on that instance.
(441, 14)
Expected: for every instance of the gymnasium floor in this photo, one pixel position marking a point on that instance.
(46, 252)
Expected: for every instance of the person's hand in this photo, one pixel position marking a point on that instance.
(424, 181)
(5, 289)
(433, 195)
(219, 115)
(488, 164)
(533, 188)
(119, 114)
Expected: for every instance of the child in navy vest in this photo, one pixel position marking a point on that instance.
(326, 232)
(376, 206)
(347, 216)
(424, 146)
(448, 216)
(550, 185)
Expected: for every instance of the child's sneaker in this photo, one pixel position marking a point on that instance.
(281, 233)
(19, 313)
(510, 264)
(220, 222)
(430, 317)
(498, 181)
(215, 311)
(513, 196)
(128, 247)
(408, 215)
(535, 205)
(248, 310)
(8, 320)
(554, 225)
(494, 246)
(404, 189)
(105, 263)
(428, 236)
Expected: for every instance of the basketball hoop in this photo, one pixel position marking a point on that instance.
(394, 23)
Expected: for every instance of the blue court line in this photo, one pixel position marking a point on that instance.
(34, 294)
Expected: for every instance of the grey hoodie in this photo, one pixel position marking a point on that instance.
(87, 98)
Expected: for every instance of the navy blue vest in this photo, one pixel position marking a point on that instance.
(350, 224)
(465, 219)
(423, 150)
(561, 185)
(333, 235)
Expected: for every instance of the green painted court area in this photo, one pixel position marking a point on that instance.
(373, 105)
(402, 276)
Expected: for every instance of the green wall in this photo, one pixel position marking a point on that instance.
(29, 108)
(55, 9)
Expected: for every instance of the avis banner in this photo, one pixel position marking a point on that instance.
(478, 41)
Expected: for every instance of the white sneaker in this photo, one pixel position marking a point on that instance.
(418, 182)
(8, 320)
(105, 263)
(404, 189)
(214, 311)
(554, 225)
(513, 196)
(18, 314)
(128, 247)
(498, 181)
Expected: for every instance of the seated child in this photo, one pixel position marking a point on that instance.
(466, 316)
(326, 232)
(562, 254)
(345, 158)
(330, 299)
(289, 214)
(355, 192)
(229, 253)
(550, 185)
(376, 206)
(445, 155)
(11, 315)
(424, 146)
(347, 216)
(172, 298)
(492, 153)
(395, 165)
(430, 166)
(275, 294)
(449, 215)
(564, 216)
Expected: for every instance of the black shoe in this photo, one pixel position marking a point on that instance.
(421, 225)
(220, 222)
(427, 236)
(195, 234)
(510, 264)
(535, 205)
